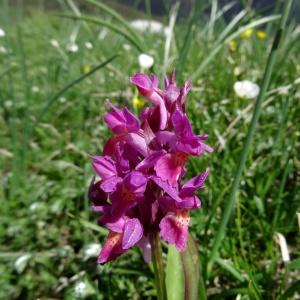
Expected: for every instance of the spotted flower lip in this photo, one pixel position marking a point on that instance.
(140, 188)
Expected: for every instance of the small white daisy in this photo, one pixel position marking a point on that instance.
(246, 89)
(80, 289)
(3, 50)
(72, 47)
(91, 250)
(145, 61)
(88, 45)
(35, 89)
(54, 43)
(2, 32)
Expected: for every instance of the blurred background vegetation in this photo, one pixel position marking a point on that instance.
(57, 67)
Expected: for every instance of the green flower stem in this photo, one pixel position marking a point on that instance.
(158, 266)
(265, 84)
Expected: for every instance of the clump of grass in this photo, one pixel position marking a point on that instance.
(45, 216)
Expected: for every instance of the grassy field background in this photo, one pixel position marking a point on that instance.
(46, 137)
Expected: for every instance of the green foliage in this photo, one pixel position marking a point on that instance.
(46, 223)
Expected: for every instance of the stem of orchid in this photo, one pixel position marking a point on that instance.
(158, 266)
(240, 168)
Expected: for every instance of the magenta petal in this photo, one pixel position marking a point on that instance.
(133, 232)
(150, 161)
(169, 167)
(194, 184)
(165, 137)
(143, 83)
(104, 166)
(171, 191)
(111, 249)
(174, 229)
(113, 225)
(135, 182)
(145, 245)
(137, 142)
(109, 185)
(188, 202)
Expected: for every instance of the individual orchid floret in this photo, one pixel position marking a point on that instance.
(124, 234)
(148, 87)
(121, 121)
(142, 191)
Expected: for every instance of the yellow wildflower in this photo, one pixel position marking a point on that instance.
(138, 102)
(247, 33)
(232, 45)
(86, 68)
(261, 34)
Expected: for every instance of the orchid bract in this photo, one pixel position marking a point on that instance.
(142, 188)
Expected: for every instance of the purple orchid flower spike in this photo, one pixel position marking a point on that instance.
(140, 193)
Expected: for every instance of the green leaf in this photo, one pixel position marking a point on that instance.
(194, 285)
(174, 275)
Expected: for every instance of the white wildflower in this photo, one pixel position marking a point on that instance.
(280, 239)
(3, 50)
(149, 26)
(21, 262)
(91, 250)
(35, 89)
(126, 47)
(2, 32)
(88, 45)
(54, 43)
(145, 61)
(80, 289)
(246, 89)
(33, 206)
(72, 47)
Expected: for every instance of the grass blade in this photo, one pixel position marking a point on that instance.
(228, 267)
(240, 168)
(110, 26)
(54, 97)
(183, 53)
(218, 47)
(117, 16)
(173, 15)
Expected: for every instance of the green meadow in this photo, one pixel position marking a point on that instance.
(57, 68)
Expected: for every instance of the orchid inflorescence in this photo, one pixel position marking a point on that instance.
(141, 191)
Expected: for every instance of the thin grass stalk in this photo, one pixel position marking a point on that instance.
(240, 168)
(218, 47)
(198, 8)
(118, 17)
(27, 93)
(287, 170)
(173, 16)
(158, 267)
(54, 97)
(115, 28)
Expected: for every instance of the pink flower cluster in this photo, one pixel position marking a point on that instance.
(140, 190)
